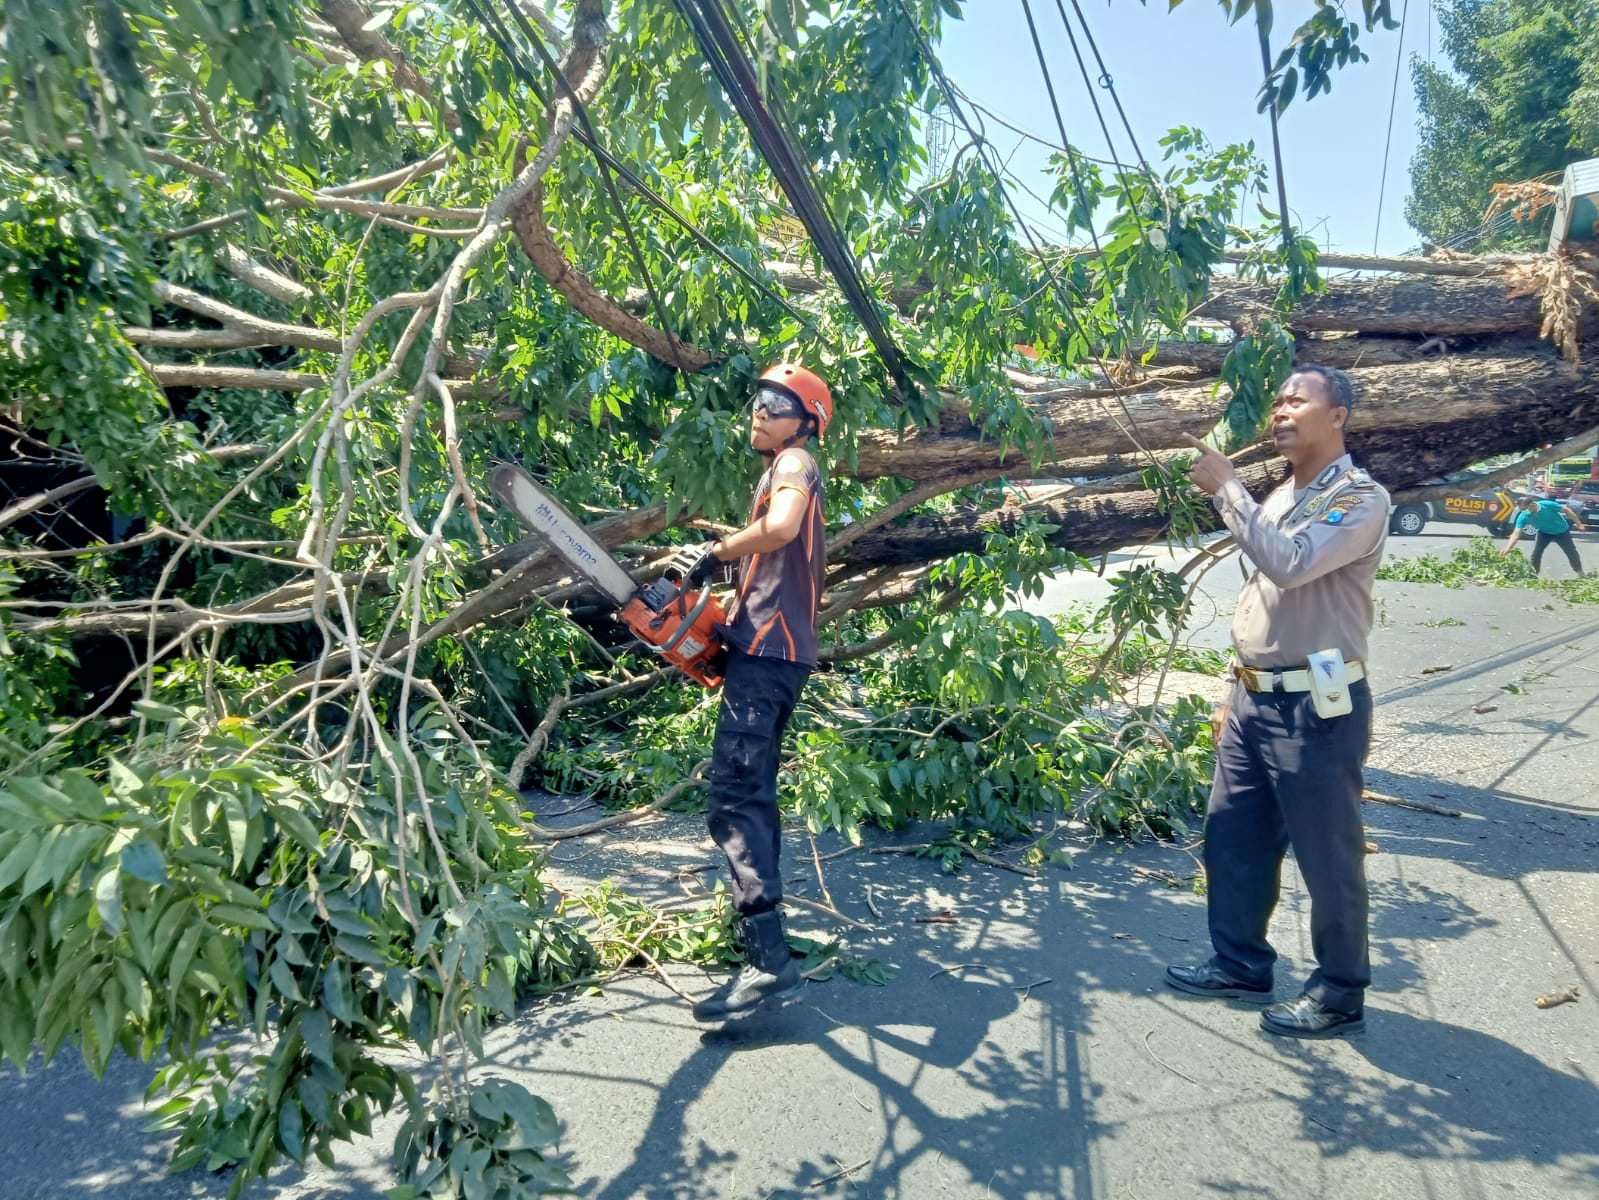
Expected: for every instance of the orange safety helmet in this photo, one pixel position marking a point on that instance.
(805, 386)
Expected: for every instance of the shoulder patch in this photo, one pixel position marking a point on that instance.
(1340, 507)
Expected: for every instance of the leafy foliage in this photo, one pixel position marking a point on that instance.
(1480, 563)
(252, 751)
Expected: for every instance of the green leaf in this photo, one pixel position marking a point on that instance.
(291, 1130)
(238, 827)
(22, 856)
(142, 859)
(237, 914)
(317, 1031)
(16, 1028)
(336, 992)
(108, 900)
(182, 957)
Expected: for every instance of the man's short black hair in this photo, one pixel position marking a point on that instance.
(1339, 388)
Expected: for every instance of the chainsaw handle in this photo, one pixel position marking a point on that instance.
(687, 623)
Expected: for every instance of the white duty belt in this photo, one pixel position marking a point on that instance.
(1266, 679)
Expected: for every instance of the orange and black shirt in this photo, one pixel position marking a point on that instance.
(780, 593)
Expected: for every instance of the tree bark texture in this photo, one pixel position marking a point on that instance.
(1432, 304)
(1438, 414)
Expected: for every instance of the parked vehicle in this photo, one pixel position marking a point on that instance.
(1584, 499)
(1565, 475)
(1495, 509)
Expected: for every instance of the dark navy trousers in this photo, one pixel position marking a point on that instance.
(1286, 777)
(758, 697)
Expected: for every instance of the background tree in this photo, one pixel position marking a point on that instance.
(1518, 101)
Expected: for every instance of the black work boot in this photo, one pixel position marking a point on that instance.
(768, 979)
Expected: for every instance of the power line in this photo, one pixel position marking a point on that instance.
(1060, 123)
(1276, 142)
(500, 37)
(733, 70)
(1393, 104)
(1021, 132)
(1108, 83)
(951, 94)
(1099, 114)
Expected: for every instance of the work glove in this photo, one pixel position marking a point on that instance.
(695, 565)
(705, 567)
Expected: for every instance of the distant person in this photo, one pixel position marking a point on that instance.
(1548, 520)
(1287, 775)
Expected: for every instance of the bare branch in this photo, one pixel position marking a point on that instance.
(276, 332)
(260, 277)
(351, 19)
(256, 378)
(527, 220)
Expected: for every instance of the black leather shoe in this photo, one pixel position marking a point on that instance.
(1207, 979)
(1306, 1017)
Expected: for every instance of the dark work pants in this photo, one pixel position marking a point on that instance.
(1543, 541)
(1286, 777)
(758, 697)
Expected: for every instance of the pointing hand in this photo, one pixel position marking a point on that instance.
(1211, 470)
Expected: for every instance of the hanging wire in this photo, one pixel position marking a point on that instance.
(1027, 133)
(1062, 291)
(1099, 114)
(1060, 123)
(1387, 145)
(1107, 82)
(501, 39)
(734, 71)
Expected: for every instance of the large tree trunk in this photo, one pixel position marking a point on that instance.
(1411, 424)
(1429, 304)
(1438, 414)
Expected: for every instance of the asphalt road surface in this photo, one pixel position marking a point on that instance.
(1029, 1050)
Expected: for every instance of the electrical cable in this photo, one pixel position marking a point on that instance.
(1109, 84)
(1393, 104)
(1099, 114)
(733, 70)
(1276, 141)
(1060, 123)
(1026, 133)
(951, 95)
(629, 177)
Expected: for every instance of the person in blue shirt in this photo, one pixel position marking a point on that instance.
(1548, 519)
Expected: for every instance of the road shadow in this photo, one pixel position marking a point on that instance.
(1078, 954)
(975, 1064)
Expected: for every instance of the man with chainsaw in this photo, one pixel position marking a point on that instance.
(771, 641)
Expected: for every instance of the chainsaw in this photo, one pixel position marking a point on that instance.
(673, 621)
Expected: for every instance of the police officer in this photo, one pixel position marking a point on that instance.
(1286, 776)
(772, 641)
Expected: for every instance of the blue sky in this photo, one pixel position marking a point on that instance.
(1190, 67)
